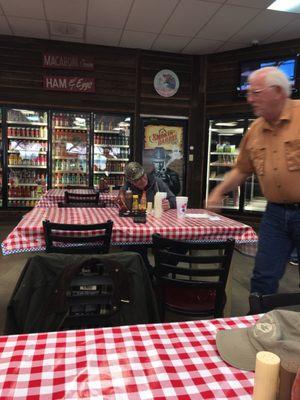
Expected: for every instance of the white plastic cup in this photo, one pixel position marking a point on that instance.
(181, 205)
(163, 195)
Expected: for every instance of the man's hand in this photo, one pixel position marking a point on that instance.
(215, 200)
(165, 205)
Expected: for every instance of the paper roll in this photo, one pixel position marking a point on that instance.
(266, 376)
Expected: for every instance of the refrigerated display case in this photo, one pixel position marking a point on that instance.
(1, 161)
(27, 144)
(111, 150)
(223, 141)
(70, 149)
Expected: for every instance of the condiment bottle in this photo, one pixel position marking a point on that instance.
(128, 199)
(143, 204)
(135, 202)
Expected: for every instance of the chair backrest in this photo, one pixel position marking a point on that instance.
(81, 198)
(184, 286)
(260, 303)
(93, 296)
(75, 238)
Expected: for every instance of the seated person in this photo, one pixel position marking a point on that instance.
(138, 181)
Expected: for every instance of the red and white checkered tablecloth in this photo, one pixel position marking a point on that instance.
(171, 361)
(28, 234)
(53, 196)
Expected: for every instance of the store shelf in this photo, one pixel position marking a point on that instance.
(28, 166)
(36, 152)
(216, 179)
(26, 184)
(63, 185)
(109, 172)
(27, 123)
(220, 164)
(113, 145)
(27, 137)
(114, 132)
(112, 159)
(69, 171)
(71, 128)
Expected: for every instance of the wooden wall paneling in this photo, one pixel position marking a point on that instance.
(197, 133)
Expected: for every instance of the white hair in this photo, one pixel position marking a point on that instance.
(273, 76)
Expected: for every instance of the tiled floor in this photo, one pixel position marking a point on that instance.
(11, 267)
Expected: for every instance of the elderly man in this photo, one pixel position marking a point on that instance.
(271, 149)
(138, 182)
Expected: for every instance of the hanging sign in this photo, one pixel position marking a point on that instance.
(166, 83)
(67, 61)
(69, 83)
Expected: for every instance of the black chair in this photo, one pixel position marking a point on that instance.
(263, 303)
(183, 287)
(74, 239)
(75, 291)
(79, 198)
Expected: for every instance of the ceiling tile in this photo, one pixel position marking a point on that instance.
(66, 30)
(73, 11)
(189, 17)
(28, 8)
(227, 21)
(66, 39)
(230, 46)
(108, 13)
(202, 46)
(289, 32)
(4, 28)
(262, 26)
(170, 43)
(28, 26)
(103, 36)
(150, 16)
(261, 4)
(137, 40)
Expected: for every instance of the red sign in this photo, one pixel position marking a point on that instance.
(69, 83)
(67, 61)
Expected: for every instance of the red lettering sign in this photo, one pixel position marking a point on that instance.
(69, 83)
(67, 61)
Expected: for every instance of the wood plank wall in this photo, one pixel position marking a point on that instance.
(124, 83)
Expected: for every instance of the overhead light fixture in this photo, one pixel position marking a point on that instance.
(292, 6)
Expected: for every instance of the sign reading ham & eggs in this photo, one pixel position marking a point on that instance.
(68, 83)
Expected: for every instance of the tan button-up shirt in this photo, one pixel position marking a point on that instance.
(273, 153)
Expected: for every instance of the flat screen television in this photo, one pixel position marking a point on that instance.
(288, 65)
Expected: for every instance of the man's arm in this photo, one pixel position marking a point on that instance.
(232, 180)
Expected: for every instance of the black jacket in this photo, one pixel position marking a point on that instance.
(38, 301)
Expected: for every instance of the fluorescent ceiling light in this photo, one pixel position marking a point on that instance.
(292, 6)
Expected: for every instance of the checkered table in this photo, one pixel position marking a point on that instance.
(28, 234)
(54, 196)
(172, 361)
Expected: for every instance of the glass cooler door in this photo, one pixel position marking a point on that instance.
(27, 138)
(224, 139)
(70, 149)
(111, 148)
(1, 161)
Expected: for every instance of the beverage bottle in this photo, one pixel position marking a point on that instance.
(135, 203)
(128, 199)
(143, 204)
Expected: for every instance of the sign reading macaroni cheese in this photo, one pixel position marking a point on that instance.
(69, 83)
(67, 61)
(169, 137)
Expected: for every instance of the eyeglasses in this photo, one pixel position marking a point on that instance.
(256, 92)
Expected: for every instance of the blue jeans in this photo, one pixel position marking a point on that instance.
(279, 233)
